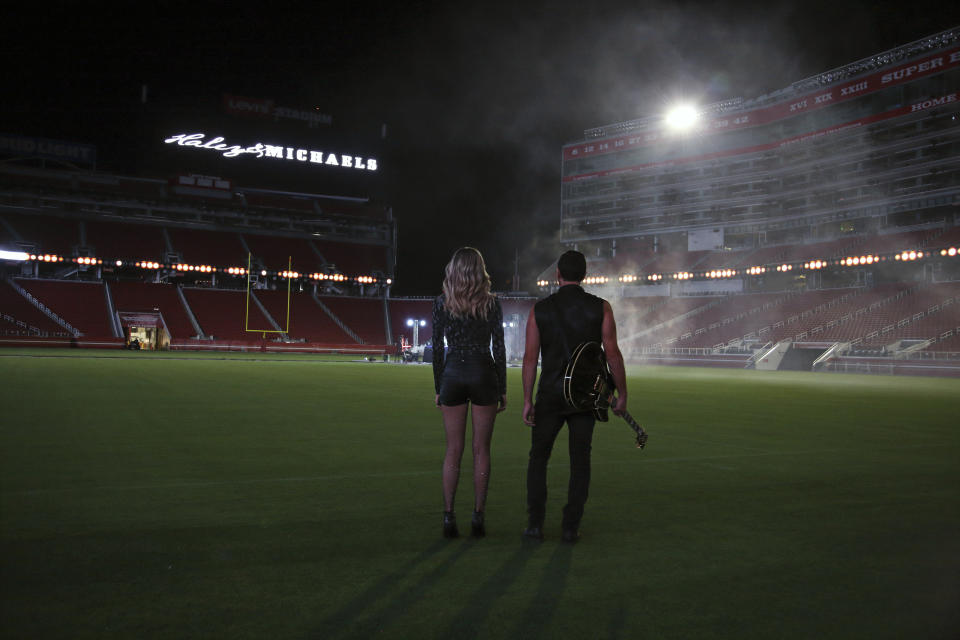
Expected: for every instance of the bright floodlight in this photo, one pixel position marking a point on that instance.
(682, 117)
(423, 323)
(409, 322)
(13, 255)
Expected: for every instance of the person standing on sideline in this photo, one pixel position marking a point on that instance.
(468, 375)
(557, 325)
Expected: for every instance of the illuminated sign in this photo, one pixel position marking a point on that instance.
(49, 149)
(279, 152)
(265, 108)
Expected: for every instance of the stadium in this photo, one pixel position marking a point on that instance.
(215, 406)
(814, 227)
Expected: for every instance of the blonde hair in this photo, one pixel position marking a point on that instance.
(466, 287)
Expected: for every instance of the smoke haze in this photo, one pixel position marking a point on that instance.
(477, 98)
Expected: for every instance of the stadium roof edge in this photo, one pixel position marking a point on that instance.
(878, 60)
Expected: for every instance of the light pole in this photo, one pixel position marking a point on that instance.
(416, 324)
(509, 338)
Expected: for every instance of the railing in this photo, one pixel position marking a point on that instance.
(44, 309)
(864, 310)
(936, 355)
(824, 359)
(340, 323)
(758, 353)
(675, 351)
(859, 367)
(23, 326)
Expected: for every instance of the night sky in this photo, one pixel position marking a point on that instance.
(477, 98)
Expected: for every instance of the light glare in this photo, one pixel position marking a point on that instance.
(13, 255)
(682, 117)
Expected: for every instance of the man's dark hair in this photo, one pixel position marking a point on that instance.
(572, 266)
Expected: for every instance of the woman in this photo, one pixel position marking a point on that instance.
(470, 318)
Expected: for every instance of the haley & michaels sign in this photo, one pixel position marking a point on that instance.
(260, 150)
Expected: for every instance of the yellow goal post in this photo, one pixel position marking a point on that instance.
(246, 322)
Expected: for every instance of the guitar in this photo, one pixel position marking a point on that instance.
(588, 385)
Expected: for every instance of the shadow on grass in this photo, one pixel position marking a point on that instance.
(552, 585)
(617, 623)
(469, 620)
(342, 623)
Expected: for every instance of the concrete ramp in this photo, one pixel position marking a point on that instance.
(770, 359)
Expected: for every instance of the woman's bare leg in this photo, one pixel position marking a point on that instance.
(455, 426)
(483, 419)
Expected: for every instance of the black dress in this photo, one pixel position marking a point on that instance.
(473, 367)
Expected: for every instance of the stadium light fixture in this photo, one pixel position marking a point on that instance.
(17, 256)
(46, 257)
(416, 324)
(682, 117)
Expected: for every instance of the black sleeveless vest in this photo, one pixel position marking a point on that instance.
(575, 314)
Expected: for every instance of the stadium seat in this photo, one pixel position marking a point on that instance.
(308, 321)
(364, 316)
(23, 317)
(82, 304)
(222, 314)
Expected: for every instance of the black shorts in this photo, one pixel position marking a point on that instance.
(468, 377)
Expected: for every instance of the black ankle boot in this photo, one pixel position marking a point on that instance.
(477, 528)
(450, 525)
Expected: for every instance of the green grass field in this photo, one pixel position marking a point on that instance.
(299, 497)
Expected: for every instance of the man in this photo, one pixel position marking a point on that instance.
(557, 325)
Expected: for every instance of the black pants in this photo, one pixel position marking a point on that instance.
(549, 421)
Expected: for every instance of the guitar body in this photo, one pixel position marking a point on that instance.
(588, 386)
(587, 380)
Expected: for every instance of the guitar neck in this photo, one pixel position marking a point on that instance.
(641, 434)
(633, 423)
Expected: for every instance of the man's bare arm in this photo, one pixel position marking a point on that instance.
(614, 358)
(530, 356)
